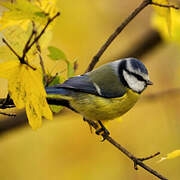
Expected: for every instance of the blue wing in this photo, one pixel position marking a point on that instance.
(82, 84)
(77, 83)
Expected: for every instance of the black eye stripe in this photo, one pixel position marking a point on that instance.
(140, 78)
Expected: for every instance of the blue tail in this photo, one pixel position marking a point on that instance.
(61, 91)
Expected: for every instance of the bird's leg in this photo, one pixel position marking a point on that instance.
(102, 131)
(90, 126)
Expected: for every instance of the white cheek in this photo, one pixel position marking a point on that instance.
(133, 82)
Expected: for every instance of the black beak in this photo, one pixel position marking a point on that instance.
(149, 82)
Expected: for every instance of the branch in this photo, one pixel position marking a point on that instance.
(144, 4)
(9, 124)
(42, 32)
(116, 33)
(137, 161)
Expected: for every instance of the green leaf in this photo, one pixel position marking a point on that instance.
(40, 14)
(70, 69)
(56, 54)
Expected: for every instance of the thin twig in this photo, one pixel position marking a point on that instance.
(39, 54)
(149, 157)
(42, 32)
(137, 161)
(50, 79)
(29, 45)
(165, 5)
(20, 58)
(42, 66)
(29, 40)
(9, 46)
(144, 159)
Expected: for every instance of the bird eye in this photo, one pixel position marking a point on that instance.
(140, 78)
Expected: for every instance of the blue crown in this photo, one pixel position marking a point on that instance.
(138, 65)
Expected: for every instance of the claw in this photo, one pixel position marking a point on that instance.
(102, 131)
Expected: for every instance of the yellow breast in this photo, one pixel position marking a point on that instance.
(98, 108)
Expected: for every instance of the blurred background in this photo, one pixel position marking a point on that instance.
(65, 148)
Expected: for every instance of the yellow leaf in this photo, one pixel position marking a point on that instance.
(159, 23)
(7, 69)
(164, 12)
(26, 89)
(17, 38)
(171, 155)
(48, 6)
(19, 12)
(16, 23)
(6, 54)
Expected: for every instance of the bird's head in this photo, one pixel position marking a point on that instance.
(133, 74)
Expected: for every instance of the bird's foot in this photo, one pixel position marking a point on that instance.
(102, 131)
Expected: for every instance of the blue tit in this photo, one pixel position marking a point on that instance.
(106, 92)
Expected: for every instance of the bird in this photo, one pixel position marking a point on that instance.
(105, 93)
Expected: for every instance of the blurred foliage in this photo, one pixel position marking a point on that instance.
(164, 13)
(171, 155)
(159, 23)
